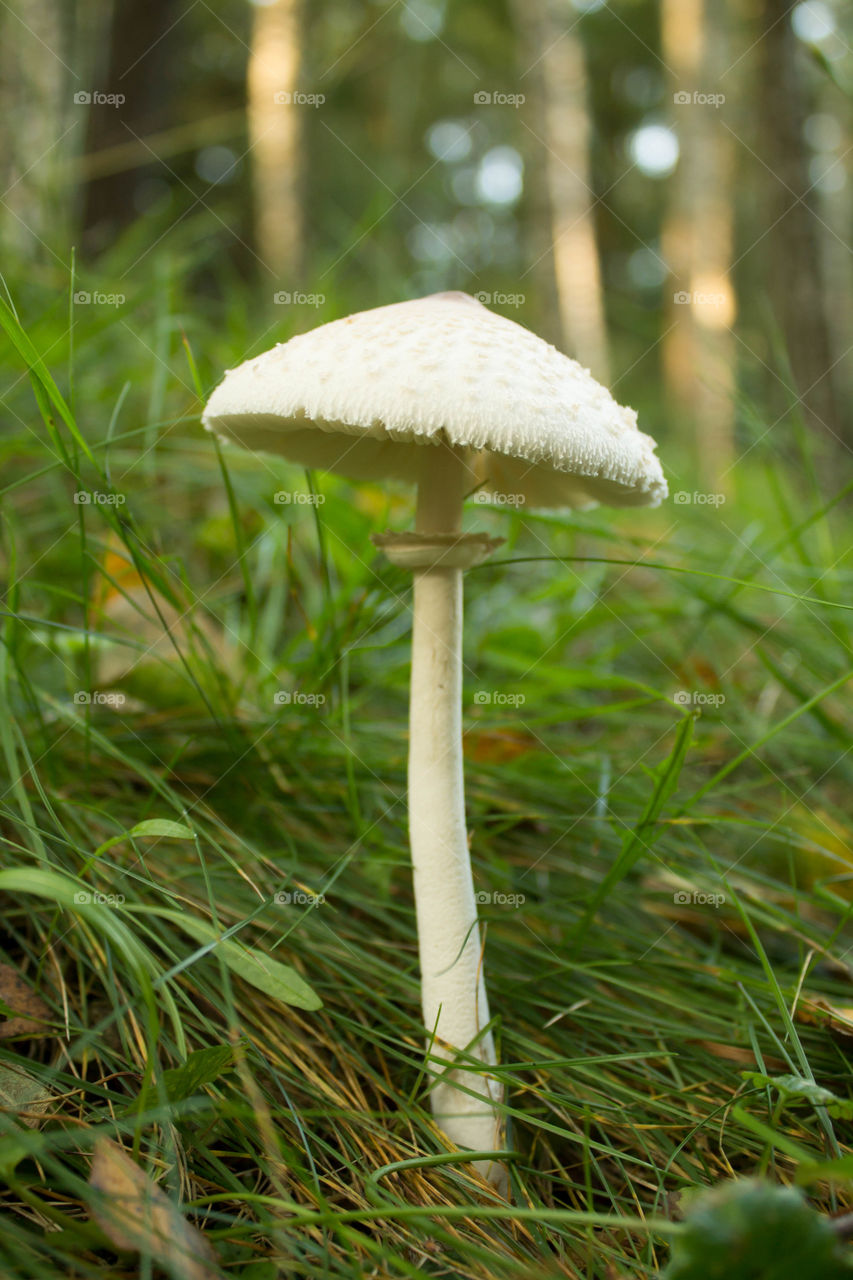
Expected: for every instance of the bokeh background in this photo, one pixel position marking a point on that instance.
(660, 189)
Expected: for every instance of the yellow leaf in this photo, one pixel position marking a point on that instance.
(136, 1216)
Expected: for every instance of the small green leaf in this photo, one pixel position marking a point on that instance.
(798, 1088)
(162, 827)
(270, 976)
(200, 1068)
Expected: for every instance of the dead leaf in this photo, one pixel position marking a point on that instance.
(735, 1053)
(497, 746)
(706, 673)
(125, 606)
(814, 1011)
(137, 1217)
(19, 995)
(22, 1094)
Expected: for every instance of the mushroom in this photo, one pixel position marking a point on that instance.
(442, 392)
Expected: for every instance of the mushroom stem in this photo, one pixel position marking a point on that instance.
(455, 1007)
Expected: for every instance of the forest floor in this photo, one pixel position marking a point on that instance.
(205, 882)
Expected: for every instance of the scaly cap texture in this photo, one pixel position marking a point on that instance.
(364, 395)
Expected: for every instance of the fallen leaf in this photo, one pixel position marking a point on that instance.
(814, 1011)
(22, 1094)
(29, 1011)
(125, 607)
(497, 746)
(706, 673)
(137, 1217)
(734, 1053)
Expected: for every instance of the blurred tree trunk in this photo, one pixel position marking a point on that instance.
(275, 136)
(792, 249)
(835, 208)
(560, 182)
(541, 273)
(136, 66)
(698, 349)
(37, 118)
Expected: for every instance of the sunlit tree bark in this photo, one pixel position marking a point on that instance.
(275, 135)
(555, 82)
(539, 272)
(576, 261)
(699, 355)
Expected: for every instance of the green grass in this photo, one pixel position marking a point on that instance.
(626, 1018)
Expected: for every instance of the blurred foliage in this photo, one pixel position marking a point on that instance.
(748, 1230)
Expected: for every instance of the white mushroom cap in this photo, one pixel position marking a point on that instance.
(362, 396)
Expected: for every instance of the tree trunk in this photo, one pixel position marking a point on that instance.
(792, 248)
(564, 243)
(698, 349)
(137, 70)
(541, 275)
(38, 116)
(275, 134)
(567, 135)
